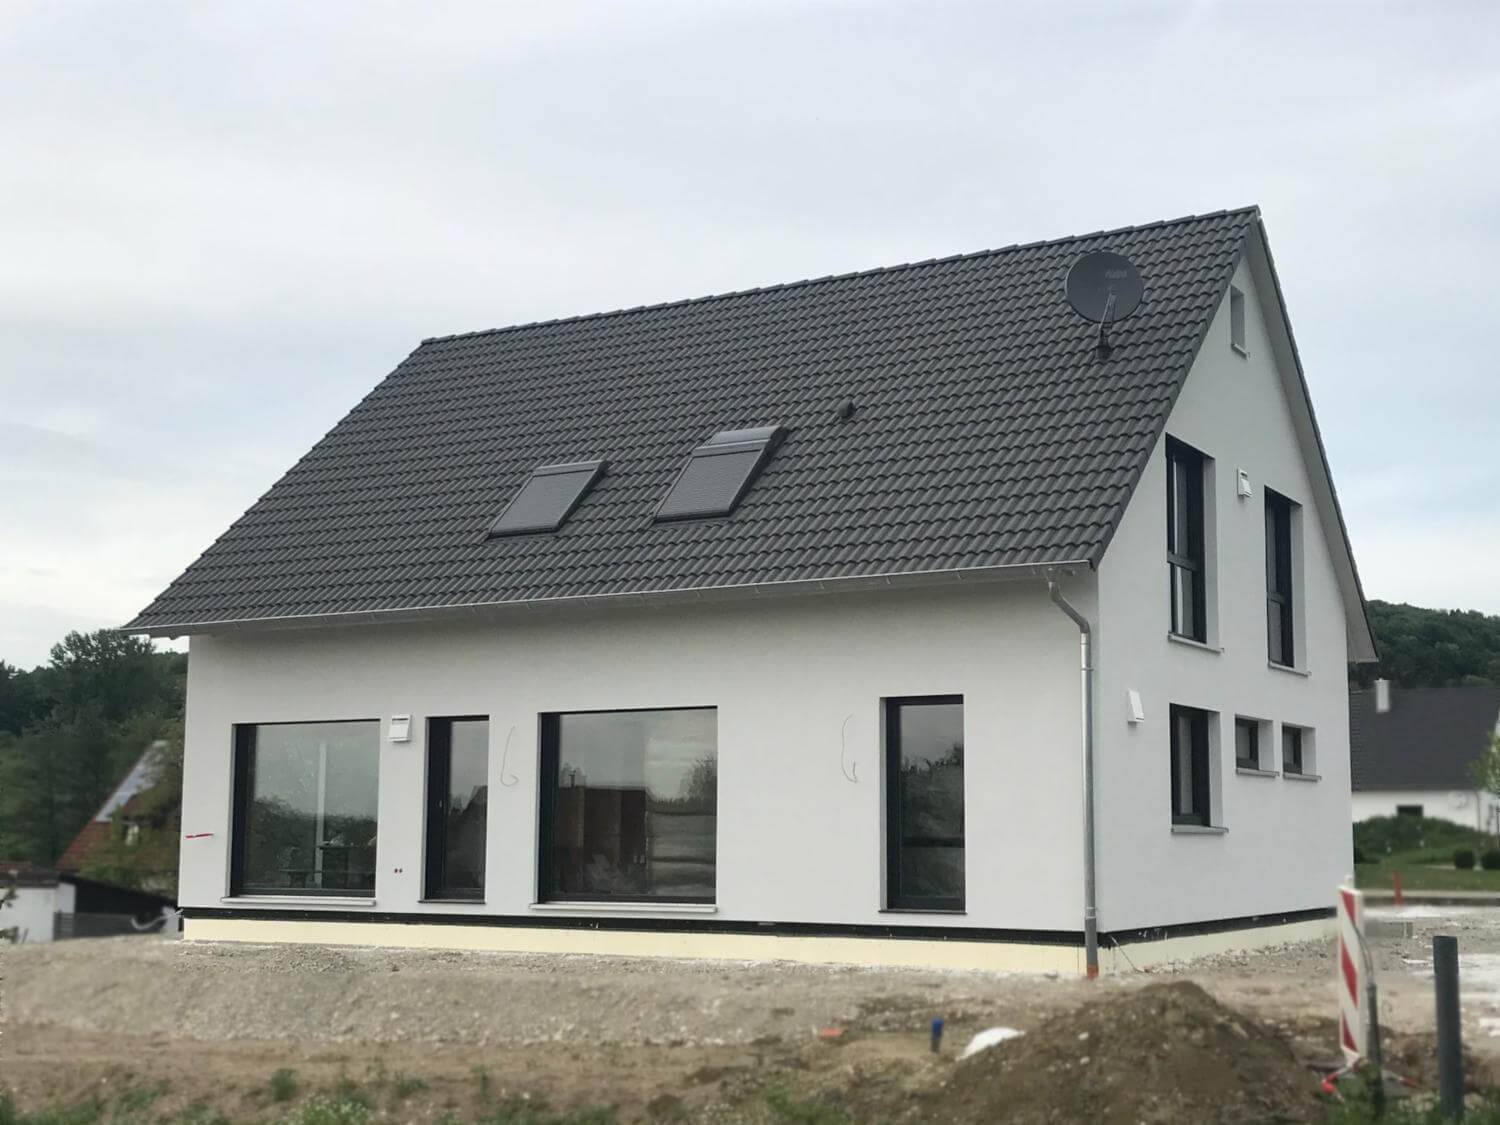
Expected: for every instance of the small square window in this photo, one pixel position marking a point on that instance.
(1237, 319)
(1297, 754)
(1247, 753)
(1408, 810)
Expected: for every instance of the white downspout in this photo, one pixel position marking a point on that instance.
(1086, 664)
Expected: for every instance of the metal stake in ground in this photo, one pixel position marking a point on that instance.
(1449, 1033)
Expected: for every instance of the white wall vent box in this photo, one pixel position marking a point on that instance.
(1243, 479)
(400, 728)
(1137, 712)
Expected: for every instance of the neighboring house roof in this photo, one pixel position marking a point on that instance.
(1426, 741)
(24, 873)
(985, 438)
(97, 830)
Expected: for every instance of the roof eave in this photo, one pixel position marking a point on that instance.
(699, 595)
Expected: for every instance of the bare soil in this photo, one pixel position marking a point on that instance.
(169, 1031)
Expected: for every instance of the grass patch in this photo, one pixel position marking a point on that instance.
(795, 1111)
(405, 1085)
(1419, 871)
(284, 1085)
(517, 1110)
(1358, 1109)
(323, 1109)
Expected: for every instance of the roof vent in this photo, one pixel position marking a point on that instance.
(718, 473)
(547, 498)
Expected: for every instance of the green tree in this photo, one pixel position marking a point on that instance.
(1485, 770)
(1431, 647)
(141, 851)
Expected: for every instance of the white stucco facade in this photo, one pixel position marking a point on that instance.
(798, 684)
(34, 909)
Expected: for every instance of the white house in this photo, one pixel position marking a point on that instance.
(1414, 748)
(751, 626)
(37, 897)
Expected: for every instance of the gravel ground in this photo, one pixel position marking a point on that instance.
(155, 986)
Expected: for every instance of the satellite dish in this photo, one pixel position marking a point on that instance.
(1104, 287)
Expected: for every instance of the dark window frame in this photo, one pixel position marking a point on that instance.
(1280, 585)
(1202, 751)
(761, 442)
(1194, 561)
(242, 744)
(1293, 735)
(890, 715)
(1409, 810)
(548, 732)
(587, 473)
(1253, 726)
(435, 832)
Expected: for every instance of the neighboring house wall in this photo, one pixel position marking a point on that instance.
(797, 841)
(33, 911)
(1287, 841)
(1477, 810)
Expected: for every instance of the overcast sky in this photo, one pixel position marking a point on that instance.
(221, 224)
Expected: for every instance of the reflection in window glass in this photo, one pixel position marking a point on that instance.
(458, 757)
(633, 804)
(925, 790)
(306, 799)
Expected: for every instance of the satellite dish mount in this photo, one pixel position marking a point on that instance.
(1104, 288)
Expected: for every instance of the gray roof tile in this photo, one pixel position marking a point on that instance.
(985, 434)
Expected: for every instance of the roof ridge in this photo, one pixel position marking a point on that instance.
(1251, 210)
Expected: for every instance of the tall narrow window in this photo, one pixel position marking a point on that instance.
(1190, 777)
(306, 797)
(630, 805)
(924, 747)
(1280, 637)
(1185, 555)
(1236, 319)
(458, 763)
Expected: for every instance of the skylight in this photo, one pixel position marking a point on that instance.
(718, 473)
(547, 498)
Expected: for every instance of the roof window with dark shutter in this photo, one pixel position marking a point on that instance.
(718, 473)
(547, 498)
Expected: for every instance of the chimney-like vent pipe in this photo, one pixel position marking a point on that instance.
(1382, 696)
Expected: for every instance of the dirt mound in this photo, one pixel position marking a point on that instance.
(1165, 1053)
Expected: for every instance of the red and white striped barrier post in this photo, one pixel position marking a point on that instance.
(1354, 1020)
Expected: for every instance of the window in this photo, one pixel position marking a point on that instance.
(1185, 555)
(630, 805)
(1247, 744)
(547, 498)
(458, 765)
(924, 750)
(1408, 810)
(1236, 319)
(718, 473)
(1294, 750)
(305, 808)
(1280, 627)
(1190, 763)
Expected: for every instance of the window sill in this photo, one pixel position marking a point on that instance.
(1301, 776)
(1288, 669)
(1180, 640)
(1239, 350)
(1198, 830)
(297, 900)
(1248, 771)
(451, 901)
(921, 910)
(624, 908)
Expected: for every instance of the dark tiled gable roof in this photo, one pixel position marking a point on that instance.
(1427, 739)
(984, 435)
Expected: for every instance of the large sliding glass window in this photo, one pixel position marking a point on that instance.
(630, 805)
(458, 766)
(1186, 565)
(305, 808)
(924, 748)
